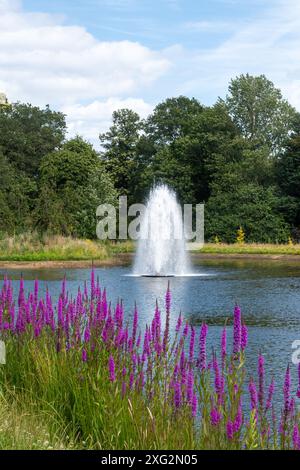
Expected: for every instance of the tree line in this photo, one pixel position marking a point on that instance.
(241, 157)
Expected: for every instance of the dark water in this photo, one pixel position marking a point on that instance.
(267, 291)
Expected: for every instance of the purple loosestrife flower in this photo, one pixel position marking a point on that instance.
(87, 334)
(219, 381)
(261, 380)
(93, 287)
(190, 386)
(177, 395)
(298, 390)
(84, 355)
(270, 395)
(182, 361)
(111, 368)
(215, 416)
(223, 346)
(237, 330)
(168, 299)
(131, 380)
(296, 437)
(229, 430)
(287, 392)
(192, 345)
(202, 346)
(134, 325)
(60, 311)
(185, 330)
(244, 337)
(179, 323)
(253, 395)
(194, 405)
(238, 421)
(167, 325)
(146, 347)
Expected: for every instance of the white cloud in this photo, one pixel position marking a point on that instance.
(269, 45)
(44, 61)
(91, 119)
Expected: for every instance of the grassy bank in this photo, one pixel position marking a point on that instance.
(251, 249)
(33, 247)
(36, 247)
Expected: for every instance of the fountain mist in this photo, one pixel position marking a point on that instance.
(161, 247)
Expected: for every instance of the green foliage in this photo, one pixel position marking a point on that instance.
(73, 182)
(120, 144)
(251, 206)
(288, 177)
(27, 133)
(260, 112)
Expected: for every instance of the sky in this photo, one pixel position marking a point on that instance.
(88, 58)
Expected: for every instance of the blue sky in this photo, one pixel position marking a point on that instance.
(90, 57)
(155, 23)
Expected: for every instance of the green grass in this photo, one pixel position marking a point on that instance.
(56, 401)
(251, 249)
(31, 247)
(35, 247)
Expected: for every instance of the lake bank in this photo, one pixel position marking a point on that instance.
(124, 259)
(30, 250)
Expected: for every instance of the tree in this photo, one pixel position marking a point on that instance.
(28, 133)
(288, 178)
(250, 206)
(120, 148)
(16, 190)
(171, 119)
(190, 160)
(73, 183)
(260, 112)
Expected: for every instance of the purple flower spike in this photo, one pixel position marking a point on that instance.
(237, 330)
(135, 325)
(194, 405)
(244, 337)
(253, 395)
(215, 416)
(111, 368)
(270, 395)
(223, 346)
(202, 346)
(229, 430)
(237, 424)
(179, 323)
(190, 386)
(192, 345)
(261, 378)
(167, 326)
(296, 437)
(287, 391)
(298, 390)
(177, 395)
(84, 355)
(168, 300)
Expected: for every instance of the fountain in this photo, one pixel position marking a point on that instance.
(161, 247)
